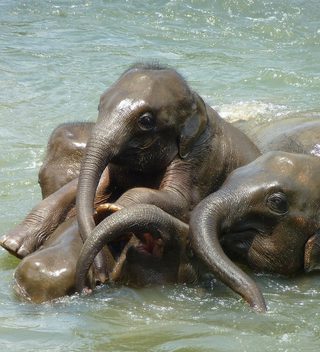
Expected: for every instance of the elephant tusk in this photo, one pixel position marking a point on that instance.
(109, 207)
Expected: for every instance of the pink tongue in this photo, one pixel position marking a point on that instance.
(148, 242)
(152, 246)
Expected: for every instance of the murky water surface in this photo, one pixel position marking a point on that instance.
(250, 59)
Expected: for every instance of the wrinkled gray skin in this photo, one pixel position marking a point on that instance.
(270, 222)
(157, 258)
(152, 125)
(157, 142)
(58, 182)
(59, 254)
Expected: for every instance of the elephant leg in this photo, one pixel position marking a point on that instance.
(43, 219)
(46, 216)
(174, 194)
(49, 273)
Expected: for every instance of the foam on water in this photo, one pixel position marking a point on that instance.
(251, 60)
(253, 110)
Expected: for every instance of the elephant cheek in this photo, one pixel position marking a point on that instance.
(276, 259)
(264, 255)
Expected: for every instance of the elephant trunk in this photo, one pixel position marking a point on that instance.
(206, 222)
(101, 148)
(100, 151)
(137, 219)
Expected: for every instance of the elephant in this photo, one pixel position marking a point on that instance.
(155, 141)
(149, 258)
(293, 134)
(60, 251)
(265, 216)
(58, 181)
(64, 154)
(153, 129)
(202, 149)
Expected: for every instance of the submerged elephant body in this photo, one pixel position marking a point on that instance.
(294, 134)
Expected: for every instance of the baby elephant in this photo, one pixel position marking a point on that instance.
(266, 215)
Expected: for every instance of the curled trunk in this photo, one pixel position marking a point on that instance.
(135, 219)
(206, 222)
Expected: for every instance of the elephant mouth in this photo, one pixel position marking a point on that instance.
(144, 245)
(150, 246)
(237, 244)
(150, 156)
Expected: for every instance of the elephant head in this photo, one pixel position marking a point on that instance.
(146, 118)
(266, 215)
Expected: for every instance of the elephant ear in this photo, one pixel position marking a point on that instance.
(193, 127)
(312, 253)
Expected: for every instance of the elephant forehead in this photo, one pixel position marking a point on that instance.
(155, 86)
(300, 167)
(290, 172)
(147, 89)
(130, 103)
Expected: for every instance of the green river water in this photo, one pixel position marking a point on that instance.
(249, 59)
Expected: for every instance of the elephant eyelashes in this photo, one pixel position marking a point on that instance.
(147, 121)
(277, 202)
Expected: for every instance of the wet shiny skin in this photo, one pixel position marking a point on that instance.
(256, 60)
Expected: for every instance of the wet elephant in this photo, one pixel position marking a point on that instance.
(58, 181)
(175, 147)
(270, 222)
(266, 215)
(296, 133)
(156, 141)
(135, 269)
(155, 257)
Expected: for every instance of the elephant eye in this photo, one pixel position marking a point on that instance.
(147, 121)
(277, 202)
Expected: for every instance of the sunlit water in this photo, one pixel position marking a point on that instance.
(249, 59)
